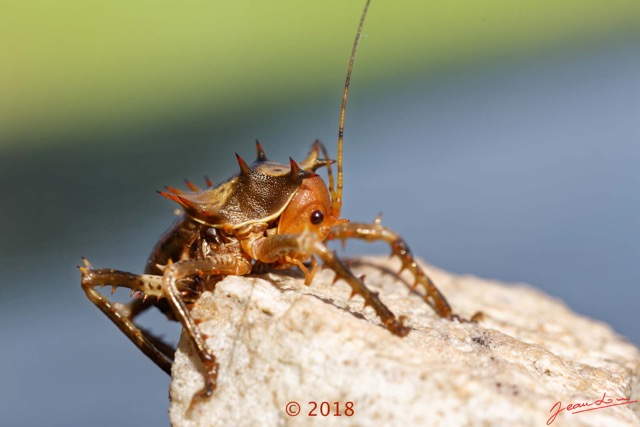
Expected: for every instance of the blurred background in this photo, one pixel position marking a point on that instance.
(500, 138)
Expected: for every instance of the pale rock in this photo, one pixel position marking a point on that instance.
(279, 341)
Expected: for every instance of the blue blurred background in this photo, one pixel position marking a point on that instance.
(500, 139)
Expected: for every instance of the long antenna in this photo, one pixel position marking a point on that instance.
(336, 198)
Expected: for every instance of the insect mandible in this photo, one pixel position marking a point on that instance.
(269, 215)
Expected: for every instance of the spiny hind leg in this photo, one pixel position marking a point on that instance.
(139, 305)
(375, 231)
(122, 315)
(285, 246)
(223, 265)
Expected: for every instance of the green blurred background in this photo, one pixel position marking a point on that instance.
(499, 137)
(77, 66)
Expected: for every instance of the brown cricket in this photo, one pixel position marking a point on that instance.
(269, 215)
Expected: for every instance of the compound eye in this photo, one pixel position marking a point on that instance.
(317, 217)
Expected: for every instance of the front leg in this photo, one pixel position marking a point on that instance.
(299, 246)
(375, 231)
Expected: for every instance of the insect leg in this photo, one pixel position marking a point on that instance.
(159, 352)
(375, 231)
(225, 264)
(278, 247)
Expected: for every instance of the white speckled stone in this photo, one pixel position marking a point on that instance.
(279, 341)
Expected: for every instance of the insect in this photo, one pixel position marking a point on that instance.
(269, 215)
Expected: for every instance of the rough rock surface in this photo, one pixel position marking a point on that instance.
(279, 341)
